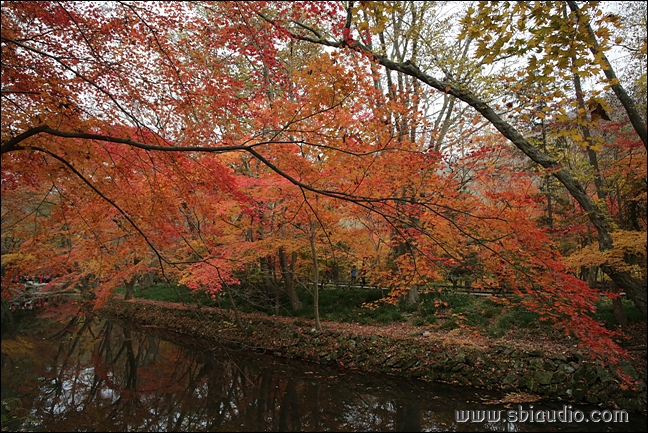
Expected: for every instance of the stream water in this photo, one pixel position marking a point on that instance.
(110, 377)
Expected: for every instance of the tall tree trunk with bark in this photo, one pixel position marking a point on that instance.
(130, 288)
(287, 275)
(318, 326)
(270, 288)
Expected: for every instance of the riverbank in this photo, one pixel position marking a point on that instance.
(528, 370)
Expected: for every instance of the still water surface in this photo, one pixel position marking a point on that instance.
(108, 376)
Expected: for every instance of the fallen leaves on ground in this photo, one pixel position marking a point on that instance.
(515, 397)
(399, 330)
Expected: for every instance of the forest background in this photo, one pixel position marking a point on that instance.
(236, 145)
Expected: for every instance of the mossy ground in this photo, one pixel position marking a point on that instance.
(437, 311)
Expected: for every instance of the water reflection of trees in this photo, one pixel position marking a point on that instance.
(105, 376)
(108, 377)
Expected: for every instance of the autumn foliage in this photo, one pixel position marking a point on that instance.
(200, 142)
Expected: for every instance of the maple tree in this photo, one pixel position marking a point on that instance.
(170, 207)
(546, 22)
(203, 141)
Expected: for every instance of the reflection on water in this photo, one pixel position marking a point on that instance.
(107, 377)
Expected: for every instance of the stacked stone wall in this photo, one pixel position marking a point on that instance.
(569, 376)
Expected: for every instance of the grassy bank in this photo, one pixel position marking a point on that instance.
(436, 311)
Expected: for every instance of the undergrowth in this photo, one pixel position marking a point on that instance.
(436, 310)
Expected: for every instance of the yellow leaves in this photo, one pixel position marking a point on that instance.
(603, 33)
(562, 117)
(597, 147)
(576, 136)
(631, 242)
(626, 243)
(475, 32)
(379, 11)
(549, 51)
(15, 257)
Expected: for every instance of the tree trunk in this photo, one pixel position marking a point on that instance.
(619, 312)
(634, 289)
(271, 289)
(318, 326)
(237, 315)
(130, 288)
(593, 159)
(147, 283)
(275, 284)
(412, 297)
(130, 284)
(287, 276)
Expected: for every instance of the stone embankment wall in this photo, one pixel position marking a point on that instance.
(567, 376)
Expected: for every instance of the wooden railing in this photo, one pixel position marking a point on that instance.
(347, 285)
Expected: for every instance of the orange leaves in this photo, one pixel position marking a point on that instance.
(626, 243)
(254, 143)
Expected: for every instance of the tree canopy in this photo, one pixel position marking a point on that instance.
(203, 141)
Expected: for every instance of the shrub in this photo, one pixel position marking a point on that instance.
(419, 321)
(605, 312)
